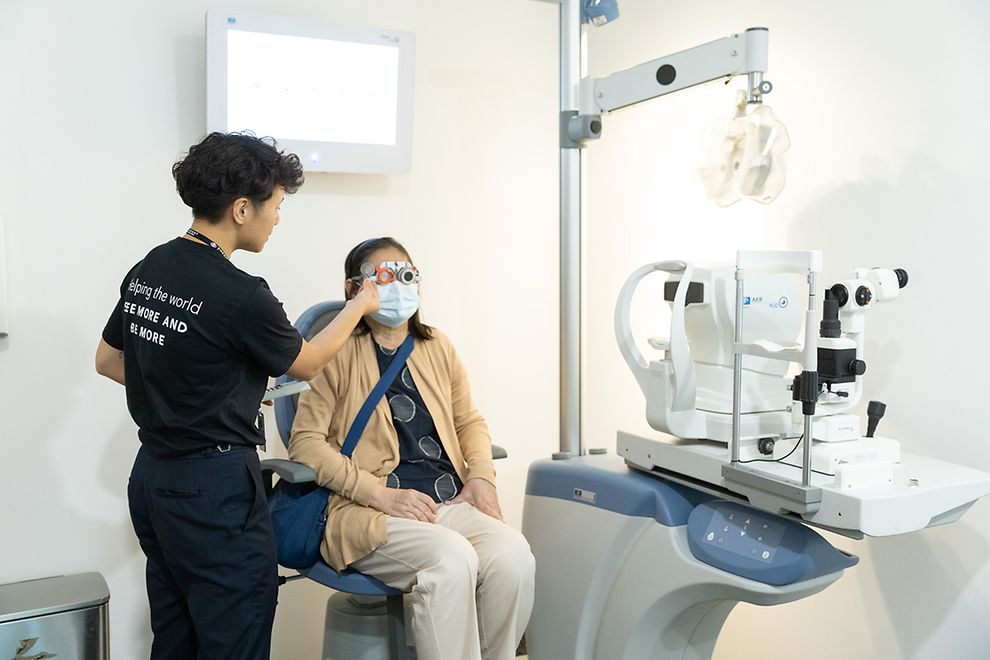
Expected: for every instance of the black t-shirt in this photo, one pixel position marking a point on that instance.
(200, 338)
(423, 463)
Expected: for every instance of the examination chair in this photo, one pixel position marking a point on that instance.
(311, 322)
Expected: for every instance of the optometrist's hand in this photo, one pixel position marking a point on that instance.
(404, 503)
(367, 297)
(482, 496)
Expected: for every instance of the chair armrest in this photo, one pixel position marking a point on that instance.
(297, 473)
(294, 473)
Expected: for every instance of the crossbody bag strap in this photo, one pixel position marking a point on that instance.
(357, 427)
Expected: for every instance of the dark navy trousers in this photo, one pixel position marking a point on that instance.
(204, 525)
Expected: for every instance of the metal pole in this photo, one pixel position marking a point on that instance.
(812, 358)
(570, 236)
(737, 359)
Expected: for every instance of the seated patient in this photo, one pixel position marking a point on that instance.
(415, 506)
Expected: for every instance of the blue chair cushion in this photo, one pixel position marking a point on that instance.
(349, 581)
(308, 324)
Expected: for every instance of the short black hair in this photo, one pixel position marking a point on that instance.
(225, 166)
(352, 271)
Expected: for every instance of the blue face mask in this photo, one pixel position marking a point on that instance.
(398, 303)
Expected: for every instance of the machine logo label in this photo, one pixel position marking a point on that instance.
(28, 644)
(745, 300)
(585, 495)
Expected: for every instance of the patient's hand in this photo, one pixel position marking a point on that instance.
(404, 503)
(481, 494)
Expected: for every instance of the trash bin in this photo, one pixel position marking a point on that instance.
(64, 617)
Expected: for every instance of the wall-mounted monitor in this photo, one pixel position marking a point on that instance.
(338, 96)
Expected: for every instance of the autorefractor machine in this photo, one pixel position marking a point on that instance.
(753, 441)
(753, 435)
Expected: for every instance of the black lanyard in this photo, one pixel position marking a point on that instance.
(206, 239)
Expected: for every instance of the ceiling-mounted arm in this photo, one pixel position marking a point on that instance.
(738, 54)
(735, 55)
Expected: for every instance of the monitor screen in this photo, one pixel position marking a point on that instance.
(340, 97)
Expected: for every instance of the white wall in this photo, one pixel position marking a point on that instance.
(100, 98)
(886, 107)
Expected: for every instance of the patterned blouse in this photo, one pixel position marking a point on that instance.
(423, 463)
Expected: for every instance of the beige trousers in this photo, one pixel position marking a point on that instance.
(471, 582)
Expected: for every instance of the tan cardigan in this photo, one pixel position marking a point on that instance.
(327, 410)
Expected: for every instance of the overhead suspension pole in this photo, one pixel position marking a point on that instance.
(570, 231)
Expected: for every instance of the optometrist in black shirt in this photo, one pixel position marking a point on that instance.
(194, 339)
